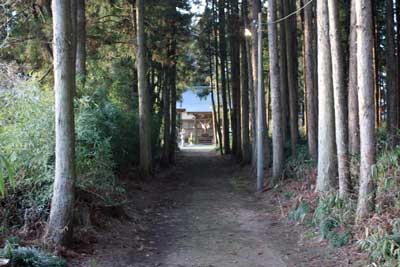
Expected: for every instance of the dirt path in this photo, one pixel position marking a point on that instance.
(204, 214)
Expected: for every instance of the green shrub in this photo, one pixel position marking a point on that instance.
(299, 166)
(106, 138)
(30, 257)
(299, 213)
(382, 242)
(6, 171)
(383, 248)
(387, 178)
(334, 216)
(27, 140)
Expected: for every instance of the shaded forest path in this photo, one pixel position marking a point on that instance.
(203, 214)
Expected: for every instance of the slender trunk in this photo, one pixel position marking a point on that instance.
(261, 162)
(391, 78)
(311, 87)
(377, 87)
(339, 99)
(59, 228)
(291, 38)
(234, 27)
(326, 120)
(144, 95)
(215, 113)
(173, 136)
(222, 54)
(354, 128)
(283, 74)
(398, 57)
(365, 80)
(167, 119)
(73, 39)
(216, 68)
(255, 8)
(277, 137)
(244, 90)
(251, 103)
(81, 44)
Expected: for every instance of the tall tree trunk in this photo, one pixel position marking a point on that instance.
(365, 80)
(339, 92)
(81, 44)
(255, 7)
(312, 92)
(291, 39)
(244, 93)
(234, 27)
(216, 68)
(277, 137)
(166, 96)
(59, 228)
(73, 39)
(222, 54)
(391, 78)
(354, 128)
(283, 74)
(252, 102)
(398, 56)
(144, 95)
(326, 120)
(375, 53)
(173, 136)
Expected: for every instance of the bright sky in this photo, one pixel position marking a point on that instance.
(192, 102)
(198, 6)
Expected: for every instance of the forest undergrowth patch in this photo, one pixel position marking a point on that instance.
(330, 219)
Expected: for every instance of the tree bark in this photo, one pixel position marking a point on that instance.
(144, 95)
(312, 92)
(217, 88)
(73, 40)
(377, 78)
(277, 137)
(173, 137)
(255, 7)
(234, 27)
(222, 54)
(283, 74)
(398, 57)
(354, 128)
(326, 120)
(291, 39)
(365, 80)
(244, 92)
(81, 44)
(339, 93)
(245, 125)
(59, 228)
(251, 103)
(391, 78)
(166, 95)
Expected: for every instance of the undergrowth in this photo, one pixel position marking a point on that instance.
(106, 134)
(300, 166)
(332, 216)
(379, 235)
(29, 257)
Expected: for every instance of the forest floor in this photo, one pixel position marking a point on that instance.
(202, 213)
